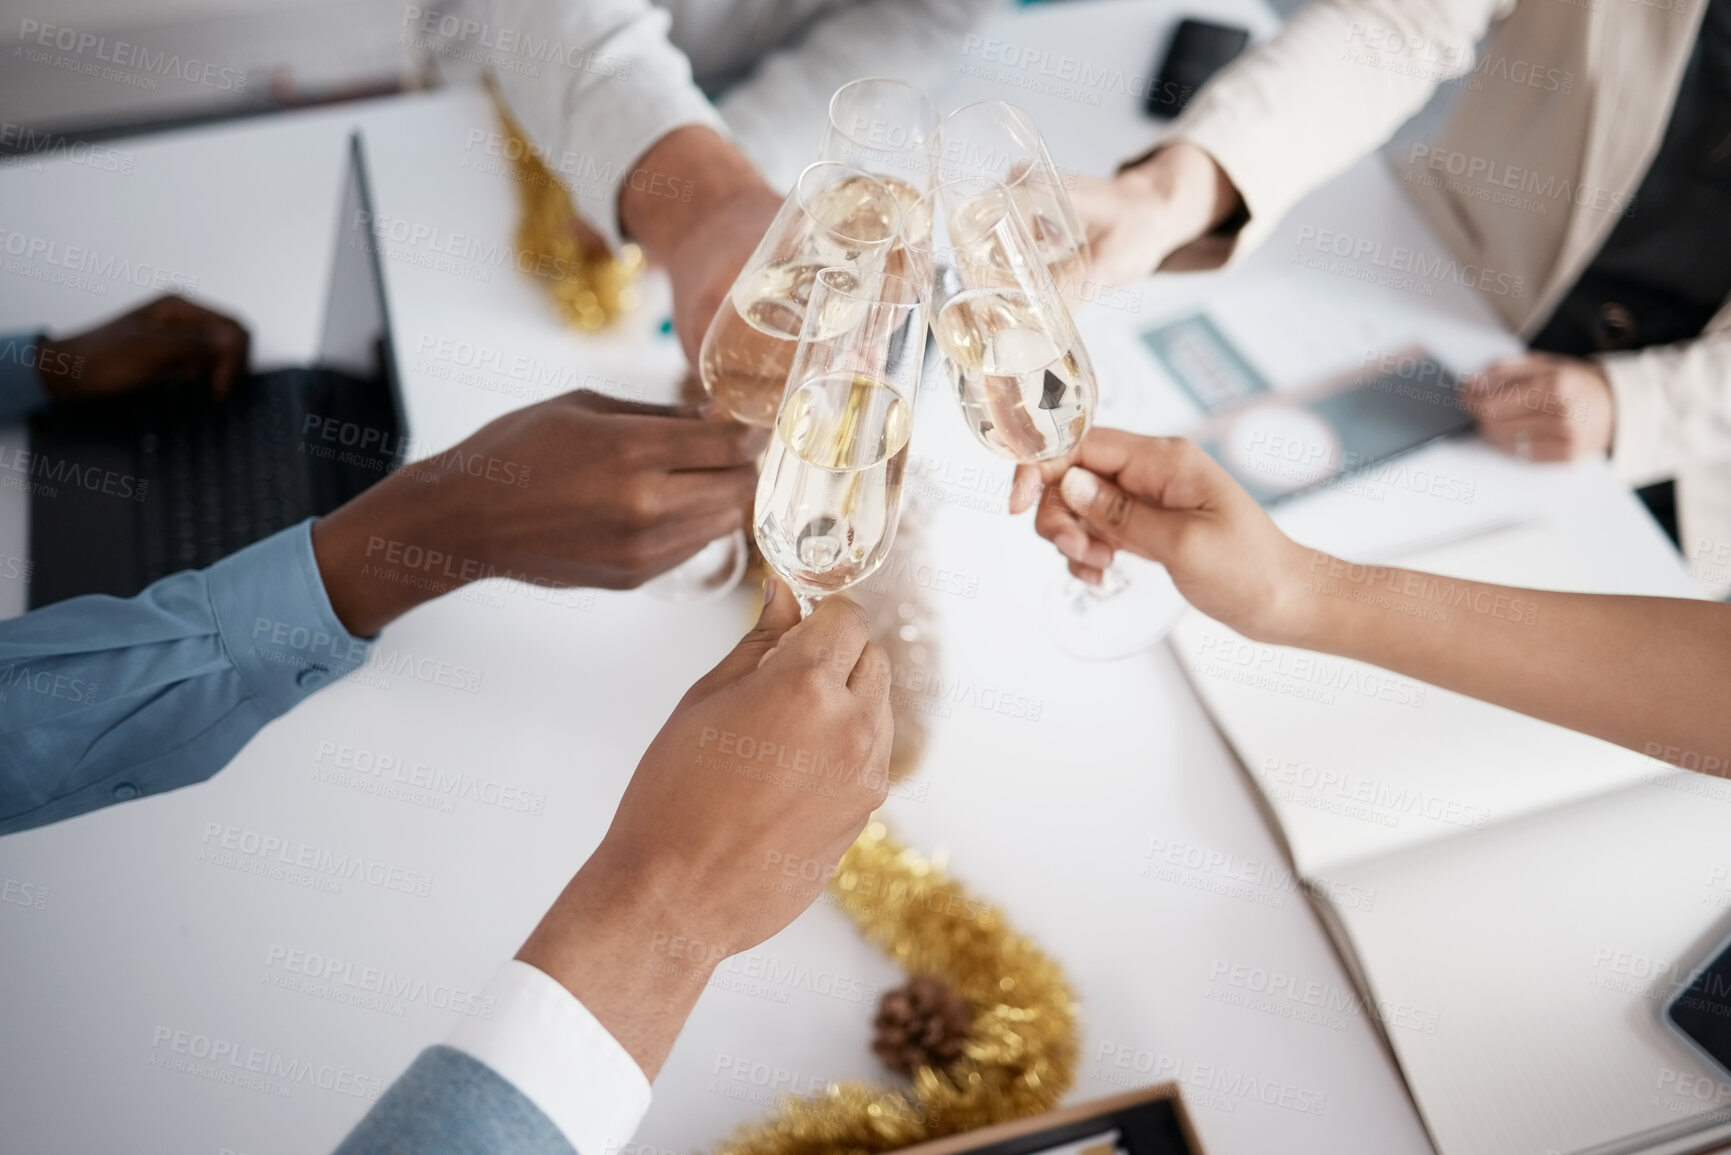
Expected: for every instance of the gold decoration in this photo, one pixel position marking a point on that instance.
(1020, 1053)
(591, 287)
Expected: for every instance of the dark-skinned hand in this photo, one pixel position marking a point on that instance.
(578, 490)
(170, 338)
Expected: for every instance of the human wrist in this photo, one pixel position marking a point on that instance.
(632, 957)
(383, 553)
(1186, 187)
(1299, 612)
(623, 907)
(678, 183)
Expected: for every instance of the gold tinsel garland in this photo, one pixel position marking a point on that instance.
(590, 286)
(1021, 1051)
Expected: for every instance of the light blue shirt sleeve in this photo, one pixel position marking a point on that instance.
(20, 387)
(105, 699)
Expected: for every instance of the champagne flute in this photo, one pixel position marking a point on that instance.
(995, 140)
(836, 215)
(1015, 359)
(887, 127)
(992, 140)
(1025, 383)
(829, 496)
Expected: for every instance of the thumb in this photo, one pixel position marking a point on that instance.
(780, 614)
(1109, 513)
(1025, 488)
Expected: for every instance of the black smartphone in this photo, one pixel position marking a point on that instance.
(1701, 1011)
(1198, 50)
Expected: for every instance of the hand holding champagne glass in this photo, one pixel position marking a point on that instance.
(829, 497)
(1025, 383)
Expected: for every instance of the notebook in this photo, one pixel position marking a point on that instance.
(1516, 901)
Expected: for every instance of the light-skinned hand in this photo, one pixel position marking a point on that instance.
(1164, 499)
(1153, 215)
(1543, 407)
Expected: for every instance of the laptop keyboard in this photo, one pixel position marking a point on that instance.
(171, 481)
(229, 476)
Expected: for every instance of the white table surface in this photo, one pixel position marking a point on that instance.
(1066, 821)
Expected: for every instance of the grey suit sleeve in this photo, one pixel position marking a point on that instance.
(447, 1103)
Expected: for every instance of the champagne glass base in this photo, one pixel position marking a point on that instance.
(1129, 613)
(712, 572)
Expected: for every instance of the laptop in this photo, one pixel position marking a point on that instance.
(129, 489)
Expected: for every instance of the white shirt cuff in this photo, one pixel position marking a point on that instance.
(544, 1042)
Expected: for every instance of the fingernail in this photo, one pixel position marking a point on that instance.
(768, 591)
(1079, 488)
(1072, 545)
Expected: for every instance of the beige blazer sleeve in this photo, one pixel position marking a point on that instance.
(1673, 419)
(1333, 85)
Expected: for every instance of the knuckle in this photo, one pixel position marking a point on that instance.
(640, 502)
(815, 680)
(851, 617)
(861, 740)
(1116, 509)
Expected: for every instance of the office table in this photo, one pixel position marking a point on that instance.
(1093, 802)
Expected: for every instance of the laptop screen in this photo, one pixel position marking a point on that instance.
(357, 329)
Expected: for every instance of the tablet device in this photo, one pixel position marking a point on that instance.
(1280, 445)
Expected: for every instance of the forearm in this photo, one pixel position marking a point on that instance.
(387, 551)
(107, 699)
(627, 958)
(620, 948)
(1183, 188)
(677, 184)
(1334, 84)
(1646, 673)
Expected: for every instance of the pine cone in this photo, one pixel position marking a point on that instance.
(923, 1024)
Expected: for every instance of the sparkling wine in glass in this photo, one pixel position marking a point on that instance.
(995, 141)
(1014, 357)
(1025, 385)
(829, 496)
(888, 128)
(836, 216)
